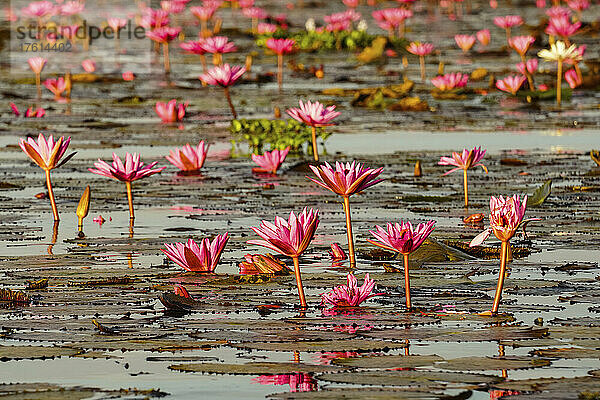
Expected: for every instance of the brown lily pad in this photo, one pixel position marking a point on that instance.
(34, 352)
(388, 361)
(491, 363)
(325, 345)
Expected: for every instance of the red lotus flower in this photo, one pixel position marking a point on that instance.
(350, 295)
(46, 153)
(420, 49)
(189, 158)
(270, 161)
(163, 34)
(337, 253)
(290, 237)
(465, 42)
(171, 111)
(530, 66)
(450, 81)
(511, 84)
(218, 45)
(194, 258)
(224, 76)
(128, 76)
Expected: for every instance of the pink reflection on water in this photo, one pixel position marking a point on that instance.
(327, 357)
(298, 382)
(201, 211)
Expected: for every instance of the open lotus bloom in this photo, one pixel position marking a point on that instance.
(450, 81)
(465, 160)
(171, 111)
(506, 215)
(521, 43)
(350, 295)
(225, 75)
(560, 52)
(132, 170)
(281, 46)
(56, 86)
(511, 84)
(218, 45)
(47, 153)
(254, 264)
(270, 161)
(194, 258)
(508, 21)
(313, 113)
(560, 25)
(288, 237)
(37, 64)
(465, 42)
(402, 237)
(188, 158)
(419, 49)
(345, 179)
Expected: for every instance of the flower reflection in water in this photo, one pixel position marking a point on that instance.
(298, 382)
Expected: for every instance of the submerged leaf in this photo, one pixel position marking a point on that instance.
(540, 195)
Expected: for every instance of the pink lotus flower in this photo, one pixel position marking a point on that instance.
(337, 253)
(391, 19)
(313, 113)
(173, 6)
(465, 42)
(56, 86)
(270, 161)
(171, 111)
(180, 290)
(350, 295)
(255, 13)
(254, 264)
(154, 18)
(348, 15)
(511, 84)
(402, 238)
(508, 22)
(193, 47)
(224, 76)
(38, 9)
(194, 258)
(572, 78)
(266, 29)
(530, 66)
(29, 113)
(203, 13)
(420, 49)
(346, 180)
(291, 238)
(246, 3)
(37, 64)
(558, 12)
(89, 65)
(468, 159)
(189, 158)
(128, 76)
(281, 46)
(483, 36)
(450, 81)
(71, 8)
(521, 44)
(562, 26)
(578, 5)
(506, 215)
(47, 154)
(132, 170)
(116, 23)
(577, 55)
(218, 44)
(163, 34)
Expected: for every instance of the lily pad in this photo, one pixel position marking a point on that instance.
(492, 363)
(540, 195)
(321, 346)
(567, 352)
(34, 352)
(388, 362)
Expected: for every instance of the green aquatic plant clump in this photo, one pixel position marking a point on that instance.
(325, 41)
(277, 134)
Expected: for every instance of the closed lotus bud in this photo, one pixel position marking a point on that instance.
(337, 253)
(418, 171)
(277, 112)
(84, 205)
(180, 290)
(441, 68)
(404, 61)
(310, 25)
(248, 63)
